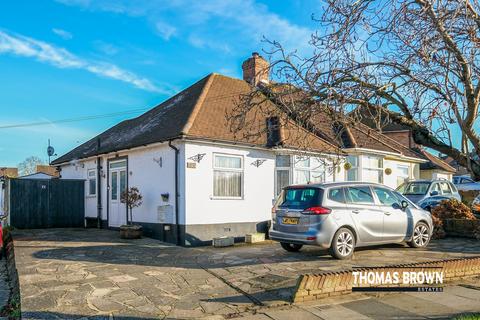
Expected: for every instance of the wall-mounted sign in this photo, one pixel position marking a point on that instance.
(191, 165)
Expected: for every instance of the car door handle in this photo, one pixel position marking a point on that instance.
(387, 213)
(356, 211)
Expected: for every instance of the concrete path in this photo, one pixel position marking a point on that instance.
(78, 273)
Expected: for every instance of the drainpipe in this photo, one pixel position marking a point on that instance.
(99, 193)
(177, 218)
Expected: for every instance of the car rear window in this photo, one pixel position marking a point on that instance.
(301, 198)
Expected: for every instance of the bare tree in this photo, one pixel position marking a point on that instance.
(29, 165)
(415, 62)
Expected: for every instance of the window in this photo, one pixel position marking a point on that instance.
(445, 188)
(336, 195)
(385, 196)
(352, 173)
(92, 182)
(414, 188)
(403, 174)
(227, 176)
(467, 180)
(114, 185)
(308, 170)
(359, 195)
(372, 169)
(302, 170)
(301, 198)
(282, 172)
(436, 187)
(452, 186)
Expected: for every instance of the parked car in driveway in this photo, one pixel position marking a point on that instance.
(420, 190)
(476, 206)
(431, 202)
(341, 216)
(465, 183)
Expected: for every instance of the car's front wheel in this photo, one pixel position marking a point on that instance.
(420, 237)
(343, 244)
(291, 247)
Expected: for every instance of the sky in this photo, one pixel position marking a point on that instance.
(68, 59)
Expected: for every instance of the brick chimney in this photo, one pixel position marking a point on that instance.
(255, 69)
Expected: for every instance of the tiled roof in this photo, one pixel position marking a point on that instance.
(345, 131)
(434, 162)
(197, 112)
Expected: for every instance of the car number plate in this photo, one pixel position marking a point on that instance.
(290, 220)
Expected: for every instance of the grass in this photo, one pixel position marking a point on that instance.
(473, 316)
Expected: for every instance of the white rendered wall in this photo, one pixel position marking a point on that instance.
(144, 172)
(258, 187)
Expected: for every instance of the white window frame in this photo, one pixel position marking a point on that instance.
(88, 182)
(402, 176)
(357, 167)
(281, 168)
(297, 168)
(242, 177)
(379, 169)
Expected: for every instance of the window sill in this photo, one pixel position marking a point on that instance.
(226, 198)
(91, 196)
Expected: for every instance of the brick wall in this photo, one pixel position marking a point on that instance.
(317, 286)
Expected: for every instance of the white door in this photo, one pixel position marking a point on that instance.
(117, 211)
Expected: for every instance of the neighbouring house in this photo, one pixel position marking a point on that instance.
(8, 172)
(5, 172)
(200, 180)
(50, 170)
(38, 175)
(433, 168)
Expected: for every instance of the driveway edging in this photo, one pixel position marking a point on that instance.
(317, 286)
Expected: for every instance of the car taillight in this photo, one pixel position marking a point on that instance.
(317, 210)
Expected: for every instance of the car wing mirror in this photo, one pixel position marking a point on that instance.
(434, 193)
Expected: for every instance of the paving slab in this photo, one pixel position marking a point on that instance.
(70, 272)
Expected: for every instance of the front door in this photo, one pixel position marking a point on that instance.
(117, 183)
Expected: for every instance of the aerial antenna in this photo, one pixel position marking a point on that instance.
(50, 151)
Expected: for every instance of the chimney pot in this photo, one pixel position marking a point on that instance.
(255, 69)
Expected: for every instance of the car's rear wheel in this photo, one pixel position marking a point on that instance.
(291, 247)
(343, 244)
(420, 237)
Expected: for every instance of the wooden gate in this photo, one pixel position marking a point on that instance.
(53, 203)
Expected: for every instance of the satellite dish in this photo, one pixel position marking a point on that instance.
(50, 151)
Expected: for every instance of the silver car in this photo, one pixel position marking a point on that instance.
(341, 216)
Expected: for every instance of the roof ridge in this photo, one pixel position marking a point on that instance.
(198, 105)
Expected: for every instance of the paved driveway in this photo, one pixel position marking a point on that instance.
(70, 273)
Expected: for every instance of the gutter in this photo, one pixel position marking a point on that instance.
(177, 218)
(99, 193)
(386, 153)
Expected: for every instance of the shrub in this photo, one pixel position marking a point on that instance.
(452, 209)
(438, 230)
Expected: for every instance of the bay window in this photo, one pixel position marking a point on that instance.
(372, 169)
(297, 170)
(227, 176)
